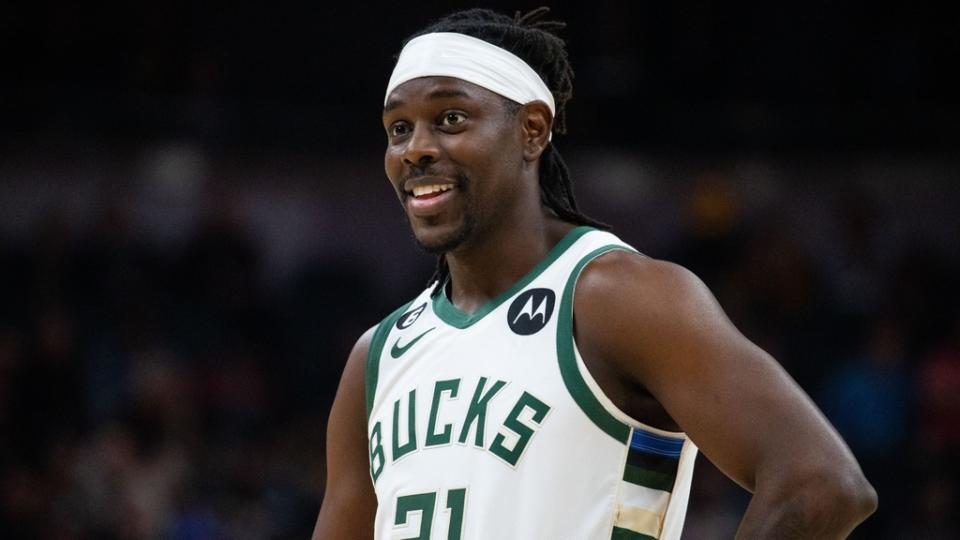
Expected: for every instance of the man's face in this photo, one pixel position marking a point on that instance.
(453, 156)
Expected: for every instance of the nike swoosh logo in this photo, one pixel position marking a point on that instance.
(397, 351)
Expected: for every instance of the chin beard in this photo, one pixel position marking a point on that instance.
(451, 241)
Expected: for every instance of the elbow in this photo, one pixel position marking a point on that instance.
(867, 499)
(854, 496)
(837, 501)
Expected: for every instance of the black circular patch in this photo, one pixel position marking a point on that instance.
(530, 311)
(407, 319)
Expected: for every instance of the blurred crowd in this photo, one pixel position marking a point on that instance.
(180, 390)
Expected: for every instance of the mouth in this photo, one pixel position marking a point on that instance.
(429, 191)
(427, 196)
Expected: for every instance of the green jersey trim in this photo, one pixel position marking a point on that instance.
(627, 534)
(373, 354)
(572, 378)
(451, 315)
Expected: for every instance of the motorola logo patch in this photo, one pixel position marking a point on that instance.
(407, 319)
(531, 311)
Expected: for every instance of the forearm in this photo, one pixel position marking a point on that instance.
(829, 509)
(347, 514)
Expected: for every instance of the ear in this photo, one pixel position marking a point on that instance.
(536, 122)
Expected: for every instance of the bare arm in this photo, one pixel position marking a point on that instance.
(658, 325)
(349, 503)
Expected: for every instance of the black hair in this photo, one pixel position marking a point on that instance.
(535, 41)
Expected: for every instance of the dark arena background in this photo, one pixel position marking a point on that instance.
(195, 227)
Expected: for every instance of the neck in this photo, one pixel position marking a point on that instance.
(491, 263)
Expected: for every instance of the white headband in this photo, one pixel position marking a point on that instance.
(448, 54)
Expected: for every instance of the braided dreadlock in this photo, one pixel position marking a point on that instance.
(533, 40)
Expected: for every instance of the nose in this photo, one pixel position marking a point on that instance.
(422, 147)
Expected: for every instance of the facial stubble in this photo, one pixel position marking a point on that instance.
(462, 233)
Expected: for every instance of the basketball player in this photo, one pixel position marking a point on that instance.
(551, 382)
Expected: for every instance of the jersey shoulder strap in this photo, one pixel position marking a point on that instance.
(373, 354)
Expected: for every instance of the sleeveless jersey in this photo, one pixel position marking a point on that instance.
(487, 426)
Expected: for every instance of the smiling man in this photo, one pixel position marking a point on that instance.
(550, 382)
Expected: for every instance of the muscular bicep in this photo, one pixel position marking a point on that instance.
(660, 326)
(349, 503)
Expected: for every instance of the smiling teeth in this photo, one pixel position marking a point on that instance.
(420, 191)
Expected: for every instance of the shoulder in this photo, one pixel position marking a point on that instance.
(371, 341)
(354, 372)
(625, 280)
(362, 346)
(379, 332)
(637, 314)
(366, 352)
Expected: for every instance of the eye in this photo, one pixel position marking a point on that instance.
(398, 129)
(453, 118)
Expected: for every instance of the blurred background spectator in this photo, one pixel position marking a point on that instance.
(195, 228)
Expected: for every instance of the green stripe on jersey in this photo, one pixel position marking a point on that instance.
(650, 479)
(572, 378)
(627, 534)
(373, 354)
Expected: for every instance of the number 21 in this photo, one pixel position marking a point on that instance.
(425, 503)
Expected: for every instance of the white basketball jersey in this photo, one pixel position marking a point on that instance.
(488, 426)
